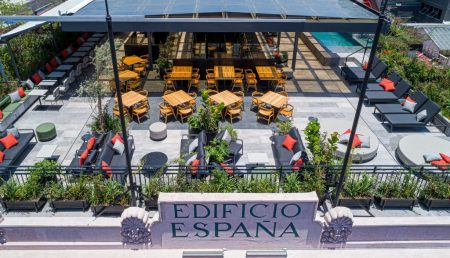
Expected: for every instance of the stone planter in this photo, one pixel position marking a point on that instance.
(210, 136)
(357, 202)
(395, 203)
(194, 130)
(109, 210)
(28, 205)
(435, 203)
(69, 205)
(151, 203)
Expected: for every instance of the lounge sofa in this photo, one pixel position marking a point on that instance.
(282, 155)
(199, 151)
(13, 154)
(12, 111)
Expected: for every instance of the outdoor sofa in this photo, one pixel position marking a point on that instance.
(410, 120)
(394, 77)
(13, 154)
(398, 108)
(388, 97)
(198, 142)
(282, 155)
(13, 110)
(357, 74)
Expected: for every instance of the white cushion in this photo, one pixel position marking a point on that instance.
(422, 115)
(29, 83)
(119, 147)
(15, 97)
(226, 136)
(409, 106)
(344, 138)
(193, 146)
(365, 141)
(296, 157)
(432, 157)
(14, 132)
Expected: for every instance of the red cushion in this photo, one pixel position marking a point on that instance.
(90, 143)
(387, 84)
(116, 137)
(106, 168)
(289, 142)
(356, 142)
(441, 164)
(54, 62)
(49, 68)
(9, 141)
(64, 53)
(83, 157)
(194, 166)
(408, 99)
(1, 114)
(365, 66)
(85, 35)
(227, 168)
(298, 164)
(36, 78)
(2, 156)
(445, 157)
(79, 41)
(21, 92)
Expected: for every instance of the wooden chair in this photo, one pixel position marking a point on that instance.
(195, 71)
(287, 111)
(281, 83)
(170, 85)
(280, 73)
(255, 101)
(265, 113)
(209, 71)
(238, 70)
(116, 111)
(134, 85)
(284, 93)
(165, 110)
(168, 70)
(140, 112)
(252, 83)
(140, 69)
(194, 82)
(143, 92)
(249, 73)
(233, 112)
(193, 103)
(240, 94)
(184, 112)
(211, 82)
(238, 82)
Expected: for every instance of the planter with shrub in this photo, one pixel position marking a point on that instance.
(72, 196)
(108, 197)
(436, 194)
(358, 192)
(397, 192)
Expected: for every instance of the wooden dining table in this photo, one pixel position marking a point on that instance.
(132, 60)
(181, 73)
(267, 73)
(224, 72)
(131, 98)
(126, 75)
(226, 97)
(274, 99)
(177, 98)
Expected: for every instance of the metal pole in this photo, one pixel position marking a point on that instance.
(373, 51)
(294, 55)
(278, 40)
(120, 104)
(13, 61)
(150, 50)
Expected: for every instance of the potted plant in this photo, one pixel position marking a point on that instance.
(194, 124)
(208, 116)
(163, 63)
(358, 192)
(436, 194)
(152, 189)
(108, 197)
(72, 196)
(22, 197)
(217, 151)
(284, 126)
(397, 192)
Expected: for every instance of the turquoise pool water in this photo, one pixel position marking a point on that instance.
(335, 39)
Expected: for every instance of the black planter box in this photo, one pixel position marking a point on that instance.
(32, 205)
(194, 130)
(356, 202)
(396, 203)
(69, 205)
(151, 204)
(436, 203)
(109, 210)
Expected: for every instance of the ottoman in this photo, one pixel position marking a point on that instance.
(158, 131)
(46, 132)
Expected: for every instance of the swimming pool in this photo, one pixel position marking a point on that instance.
(335, 39)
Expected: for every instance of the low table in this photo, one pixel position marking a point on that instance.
(158, 131)
(88, 44)
(64, 67)
(153, 162)
(257, 158)
(47, 152)
(38, 92)
(46, 132)
(72, 60)
(411, 148)
(47, 83)
(85, 49)
(80, 54)
(57, 74)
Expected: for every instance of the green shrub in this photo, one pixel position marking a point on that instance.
(436, 188)
(77, 190)
(108, 192)
(362, 186)
(398, 187)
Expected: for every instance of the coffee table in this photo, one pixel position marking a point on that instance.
(47, 83)
(38, 92)
(72, 60)
(257, 158)
(47, 152)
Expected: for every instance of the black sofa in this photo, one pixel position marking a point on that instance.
(11, 155)
(282, 155)
(186, 140)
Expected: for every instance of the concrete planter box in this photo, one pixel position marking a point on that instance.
(435, 203)
(151, 203)
(395, 203)
(356, 202)
(70, 205)
(29, 205)
(109, 210)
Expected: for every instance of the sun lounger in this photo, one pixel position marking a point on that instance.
(394, 77)
(410, 120)
(356, 74)
(397, 108)
(388, 97)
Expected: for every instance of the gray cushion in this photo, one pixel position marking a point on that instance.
(365, 141)
(432, 157)
(344, 138)
(108, 153)
(193, 145)
(14, 131)
(91, 158)
(409, 106)
(119, 147)
(422, 115)
(15, 97)
(29, 83)
(234, 147)
(296, 157)
(191, 158)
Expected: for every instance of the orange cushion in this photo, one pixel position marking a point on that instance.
(116, 137)
(90, 143)
(2, 156)
(83, 157)
(21, 92)
(356, 142)
(9, 141)
(365, 66)
(49, 67)
(289, 142)
(36, 78)
(106, 168)
(1, 114)
(387, 84)
(79, 41)
(445, 157)
(441, 164)
(408, 99)
(227, 168)
(194, 166)
(54, 62)
(298, 164)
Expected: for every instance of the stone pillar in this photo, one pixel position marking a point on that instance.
(294, 54)
(2, 232)
(337, 227)
(135, 229)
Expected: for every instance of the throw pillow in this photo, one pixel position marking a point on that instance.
(49, 68)
(193, 145)
(15, 97)
(226, 136)
(298, 164)
(41, 74)
(387, 84)
(116, 137)
(90, 143)
(365, 66)
(431, 157)
(227, 168)
(14, 131)
(119, 147)
(296, 157)
(106, 168)
(365, 141)
(356, 142)
(29, 83)
(344, 138)
(21, 92)
(2, 156)
(445, 157)
(91, 158)
(421, 115)
(83, 157)
(409, 106)
(58, 60)
(9, 141)
(54, 62)
(194, 166)
(441, 164)
(190, 159)
(407, 99)
(289, 142)
(1, 114)
(36, 78)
